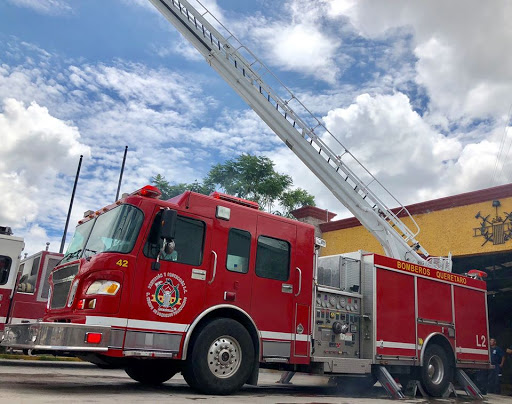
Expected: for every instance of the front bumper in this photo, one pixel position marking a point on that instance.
(55, 337)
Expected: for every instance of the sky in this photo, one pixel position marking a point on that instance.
(419, 92)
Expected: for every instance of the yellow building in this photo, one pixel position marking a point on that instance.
(475, 227)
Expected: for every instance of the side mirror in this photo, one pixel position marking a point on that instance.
(167, 233)
(168, 224)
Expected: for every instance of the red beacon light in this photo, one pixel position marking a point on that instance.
(234, 199)
(149, 191)
(477, 274)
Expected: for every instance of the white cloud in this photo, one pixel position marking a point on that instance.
(52, 7)
(411, 159)
(37, 150)
(462, 48)
(301, 47)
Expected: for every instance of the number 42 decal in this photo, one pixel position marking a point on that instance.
(122, 263)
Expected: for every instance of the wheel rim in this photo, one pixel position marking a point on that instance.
(224, 357)
(435, 369)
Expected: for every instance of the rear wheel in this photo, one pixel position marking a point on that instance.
(221, 358)
(152, 372)
(437, 371)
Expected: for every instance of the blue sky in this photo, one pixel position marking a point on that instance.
(418, 91)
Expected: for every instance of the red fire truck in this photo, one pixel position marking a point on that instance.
(30, 296)
(23, 288)
(215, 288)
(211, 287)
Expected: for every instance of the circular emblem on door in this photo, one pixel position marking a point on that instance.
(300, 329)
(165, 294)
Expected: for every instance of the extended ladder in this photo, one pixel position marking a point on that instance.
(301, 131)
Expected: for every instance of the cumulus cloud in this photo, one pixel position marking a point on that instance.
(411, 159)
(462, 49)
(37, 149)
(52, 7)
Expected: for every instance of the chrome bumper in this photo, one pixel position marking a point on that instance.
(55, 337)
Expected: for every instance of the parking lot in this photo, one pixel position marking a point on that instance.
(52, 382)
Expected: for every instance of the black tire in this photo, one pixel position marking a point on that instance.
(152, 372)
(220, 359)
(437, 371)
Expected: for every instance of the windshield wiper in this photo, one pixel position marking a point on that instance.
(89, 250)
(72, 255)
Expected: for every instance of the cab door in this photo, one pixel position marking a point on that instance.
(275, 283)
(234, 259)
(168, 299)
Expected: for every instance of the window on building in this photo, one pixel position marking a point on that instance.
(5, 267)
(239, 248)
(189, 241)
(273, 258)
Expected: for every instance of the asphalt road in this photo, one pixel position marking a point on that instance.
(53, 382)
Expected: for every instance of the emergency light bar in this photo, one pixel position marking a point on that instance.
(234, 199)
(149, 191)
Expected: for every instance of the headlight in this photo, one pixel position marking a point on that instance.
(103, 288)
(72, 292)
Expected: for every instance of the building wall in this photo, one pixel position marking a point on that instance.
(442, 231)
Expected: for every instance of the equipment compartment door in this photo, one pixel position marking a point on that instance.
(274, 286)
(396, 330)
(472, 339)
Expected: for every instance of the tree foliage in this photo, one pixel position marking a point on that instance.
(248, 177)
(169, 191)
(294, 199)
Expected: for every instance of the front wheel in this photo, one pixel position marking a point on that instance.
(221, 358)
(436, 372)
(152, 372)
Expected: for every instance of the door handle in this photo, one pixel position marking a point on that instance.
(286, 288)
(300, 281)
(214, 267)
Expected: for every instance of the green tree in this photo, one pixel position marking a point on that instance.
(248, 177)
(294, 199)
(169, 191)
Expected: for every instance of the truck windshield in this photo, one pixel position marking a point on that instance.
(113, 231)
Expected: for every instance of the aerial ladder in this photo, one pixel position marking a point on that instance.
(350, 182)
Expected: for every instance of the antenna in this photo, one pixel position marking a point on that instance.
(121, 173)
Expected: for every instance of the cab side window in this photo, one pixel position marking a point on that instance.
(5, 267)
(27, 282)
(273, 258)
(189, 241)
(239, 248)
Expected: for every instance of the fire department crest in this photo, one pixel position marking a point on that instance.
(165, 295)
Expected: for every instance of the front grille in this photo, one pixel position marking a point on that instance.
(62, 280)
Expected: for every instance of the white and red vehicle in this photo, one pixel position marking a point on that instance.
(214, 288)
(10, 251)
(30, 296)
(23, 284)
